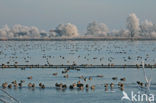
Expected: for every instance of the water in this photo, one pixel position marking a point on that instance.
(78, 52)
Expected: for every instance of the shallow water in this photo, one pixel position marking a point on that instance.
(69, 52)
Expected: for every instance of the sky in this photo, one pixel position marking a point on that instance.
(47, 14)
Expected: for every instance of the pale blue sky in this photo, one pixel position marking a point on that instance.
(48, 14)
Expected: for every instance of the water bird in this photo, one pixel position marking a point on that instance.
(106, 87)
(121, 86)
(114, 78)
(90, 78)
(63, 72)
(85, 79)
(15, 85)
(59, 85)
(10, 86)
(112, 86)
(33, 85)
(100, 76)
(55, 74)
(30, 85)
(66, 76)
(80, 85)
(64, 86)
(14, 82)
(140, 83)
(81, 77)
(87, 86)
(29, 77)
(123, 79)
(71, 87)
(43, 86)
(4, 85)
(20, 85)
(93, 87)
(40, 84)
(22, 81)
(74, 85)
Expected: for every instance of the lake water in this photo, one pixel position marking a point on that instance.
(77, 52)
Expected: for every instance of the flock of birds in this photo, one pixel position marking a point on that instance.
(62, 53)
(73, 53)
(78, 85)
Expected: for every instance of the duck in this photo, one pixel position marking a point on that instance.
(43, 86)
(92, 87)
(15, 85)
(33, 85)
(74, 85)
(114, 78)
(22, 81)
(123, 79)
(106, 87)
(30, 85)
(119, 84)
(79, 85)
(10, 86)
(85, 79)
(40, 84)
(100, 76)
(140, 83)
(14, 82)
(55, 74)
(20, 85)
(81, 77)
(59, 85)
(87, 86)
(122, 86)
(71, 87)
(64, 86)
(112, 86)
(90, 78)
(66, 76)
(65, 71)
(4, 85)
(29, 77)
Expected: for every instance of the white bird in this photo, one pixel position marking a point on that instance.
(125, 96)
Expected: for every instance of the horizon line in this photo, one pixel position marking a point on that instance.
(80, 39)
